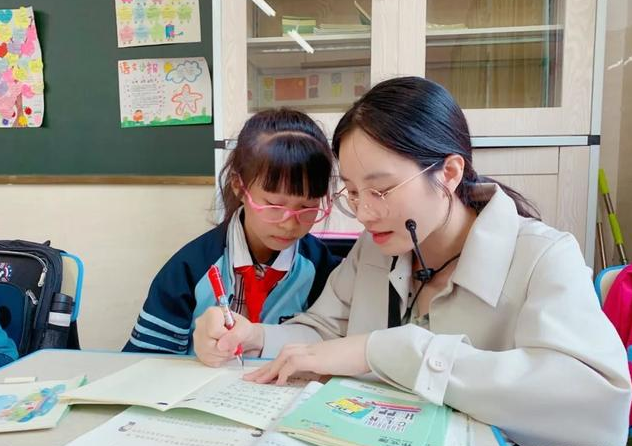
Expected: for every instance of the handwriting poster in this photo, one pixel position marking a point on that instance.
(157, 22)
(158, 92)
(21, 70)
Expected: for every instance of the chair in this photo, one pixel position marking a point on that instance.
(72, 280)
(604, 281)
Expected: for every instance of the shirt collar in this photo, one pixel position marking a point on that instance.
(240, 254)
(490, 244)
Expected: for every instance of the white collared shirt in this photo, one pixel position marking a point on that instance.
(239, 254)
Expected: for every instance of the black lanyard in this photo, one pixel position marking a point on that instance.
(395, 318)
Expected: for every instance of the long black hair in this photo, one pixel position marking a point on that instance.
(419, 120)
(284, 151)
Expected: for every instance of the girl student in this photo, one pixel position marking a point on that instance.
(275, 186)
(455, 291)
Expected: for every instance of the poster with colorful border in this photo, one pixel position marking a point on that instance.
(158, 92)
(157, 22)
(21, 70)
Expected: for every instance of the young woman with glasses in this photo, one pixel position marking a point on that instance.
(495, 316)
(275, 186)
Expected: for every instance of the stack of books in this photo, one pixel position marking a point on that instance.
(302, 25)
(341, 28)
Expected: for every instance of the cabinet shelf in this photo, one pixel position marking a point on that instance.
(326, 42)
(497, 35)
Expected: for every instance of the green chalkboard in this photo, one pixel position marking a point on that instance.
(81, 132)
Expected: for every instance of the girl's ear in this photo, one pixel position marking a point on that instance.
(452, 172)
(235, 185)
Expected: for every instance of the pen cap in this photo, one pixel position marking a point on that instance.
(216, 282)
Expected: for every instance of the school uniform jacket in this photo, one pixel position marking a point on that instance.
(516, 339)
(181, 291)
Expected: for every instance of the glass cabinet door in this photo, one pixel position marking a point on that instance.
(314, 56)
(497, 53)
(530, 58)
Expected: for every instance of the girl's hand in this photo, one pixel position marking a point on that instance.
(344, 356)
(214, 344)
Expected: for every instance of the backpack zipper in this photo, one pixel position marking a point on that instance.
(31, 296)
(42, 278)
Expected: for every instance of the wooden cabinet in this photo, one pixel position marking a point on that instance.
(522, 70)
(518, 68)
(554, 179)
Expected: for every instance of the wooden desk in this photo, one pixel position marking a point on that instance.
(64, 364)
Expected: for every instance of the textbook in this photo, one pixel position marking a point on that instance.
(185, 427)
(34, 405)
(164, 384)
(349, 412)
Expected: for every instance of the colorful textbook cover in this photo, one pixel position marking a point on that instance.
(34, 405)
(352, 412)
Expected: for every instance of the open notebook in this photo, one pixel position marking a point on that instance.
(164, 384)
(140, 426)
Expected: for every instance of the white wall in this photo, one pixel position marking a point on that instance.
(124, 234)
(616, 131)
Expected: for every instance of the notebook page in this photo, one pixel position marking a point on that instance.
(155, 383)
(272, 438)
(228, 395)
(141, 426)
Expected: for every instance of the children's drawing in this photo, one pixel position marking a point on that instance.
(36, 404)
(377, 414)
(21, 70)
(158, 92)
(157, 22)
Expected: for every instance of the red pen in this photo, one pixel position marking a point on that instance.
(222, 302)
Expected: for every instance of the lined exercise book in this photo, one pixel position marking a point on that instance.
(165, 384)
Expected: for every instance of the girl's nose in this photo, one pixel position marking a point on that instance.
(289, 224)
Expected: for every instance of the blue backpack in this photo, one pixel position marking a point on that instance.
(30, 289)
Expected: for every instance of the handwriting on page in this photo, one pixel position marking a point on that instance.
(272, 438)
(257, 405)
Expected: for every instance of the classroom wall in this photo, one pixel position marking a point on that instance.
(124, 234)
(616, 131)
(624, 196)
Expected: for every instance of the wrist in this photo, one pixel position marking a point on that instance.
(254, 343)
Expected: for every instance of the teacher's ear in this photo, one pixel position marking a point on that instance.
(452, 172)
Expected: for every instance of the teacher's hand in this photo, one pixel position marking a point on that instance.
(344, 356)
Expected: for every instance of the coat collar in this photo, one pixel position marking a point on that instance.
(490, 245)
(486, 255)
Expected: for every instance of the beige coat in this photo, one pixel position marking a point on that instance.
(517, 338)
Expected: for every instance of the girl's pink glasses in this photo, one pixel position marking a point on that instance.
(278, 214)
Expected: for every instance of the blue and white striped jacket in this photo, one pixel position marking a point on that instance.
(181, 291)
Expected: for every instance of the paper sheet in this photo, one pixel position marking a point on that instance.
(157, 22)
(158, 92)
(140, 426)
(229, 396)
(157, 383)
